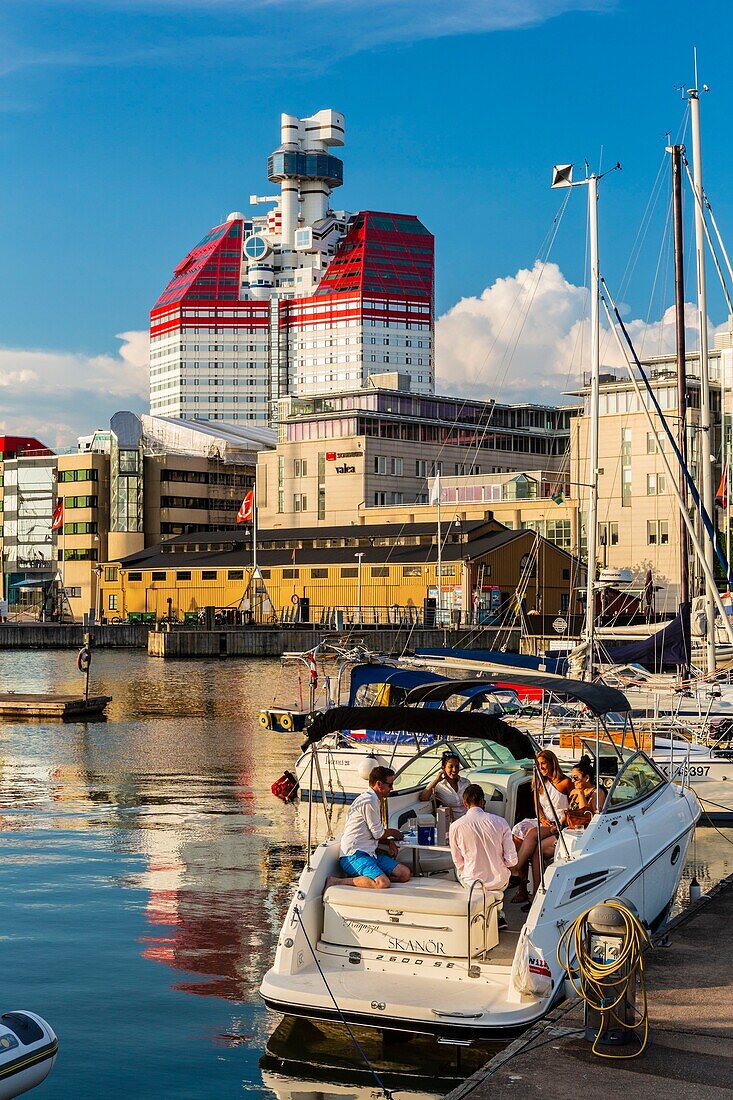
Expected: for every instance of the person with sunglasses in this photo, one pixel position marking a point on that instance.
(359, 860)
(448, 786)
(585, 799)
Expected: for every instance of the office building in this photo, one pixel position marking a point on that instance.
(27, 471)
(377, 447)
(638, 515)
(146, 479)
(298, 300)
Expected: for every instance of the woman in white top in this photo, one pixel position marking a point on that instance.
(552, 789)
(448, 786)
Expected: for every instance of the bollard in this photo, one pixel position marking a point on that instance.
(606, 933)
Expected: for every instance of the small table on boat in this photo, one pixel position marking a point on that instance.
(416, 847)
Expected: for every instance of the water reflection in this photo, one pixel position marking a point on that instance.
(147, 869)
(300, 1050)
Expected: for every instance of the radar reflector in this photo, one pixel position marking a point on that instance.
(562, 175)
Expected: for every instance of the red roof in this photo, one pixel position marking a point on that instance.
(386, 254)
(14, 446)
(210, 271)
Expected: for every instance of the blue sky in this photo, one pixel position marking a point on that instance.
(128, 127)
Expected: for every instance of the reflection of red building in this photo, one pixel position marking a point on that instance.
(214, 908)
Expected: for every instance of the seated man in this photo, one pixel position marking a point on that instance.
(364, 830)
(481, 844)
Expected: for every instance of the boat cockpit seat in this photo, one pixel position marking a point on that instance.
(425, 916)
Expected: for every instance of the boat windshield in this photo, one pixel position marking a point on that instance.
(472, 753)
(636, 780)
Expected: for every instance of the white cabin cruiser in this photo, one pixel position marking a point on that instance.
(427, 956)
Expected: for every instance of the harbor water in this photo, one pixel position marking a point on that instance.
(145, 869)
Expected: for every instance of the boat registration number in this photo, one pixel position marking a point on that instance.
(694, 771)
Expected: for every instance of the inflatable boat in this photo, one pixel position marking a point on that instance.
(28, 1048)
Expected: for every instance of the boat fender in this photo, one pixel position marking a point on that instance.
(264, 719)
(369, 762)
(286, 787)
(84, 659)
(285, 721)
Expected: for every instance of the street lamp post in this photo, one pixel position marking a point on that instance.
(359, 557)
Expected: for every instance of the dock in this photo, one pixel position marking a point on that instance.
(689, 978)
(63, 707)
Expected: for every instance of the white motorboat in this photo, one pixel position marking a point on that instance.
(427, 956)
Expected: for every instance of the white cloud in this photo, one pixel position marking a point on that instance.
(526, 339)
(59, 395)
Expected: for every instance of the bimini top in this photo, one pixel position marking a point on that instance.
(400, 680)
(450, 724)
(598, 698)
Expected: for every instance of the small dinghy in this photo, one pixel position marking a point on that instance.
(28, 1048)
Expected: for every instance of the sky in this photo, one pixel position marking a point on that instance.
(129, 127)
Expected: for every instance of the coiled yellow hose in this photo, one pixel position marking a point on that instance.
(603, 986)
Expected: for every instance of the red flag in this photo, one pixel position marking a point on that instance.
(721, 497)
(58, 516)
(313, 669)
(244, 515)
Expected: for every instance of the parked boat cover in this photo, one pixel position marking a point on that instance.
(598, 698)
(666, 649)
(558, 666)
(452, 725)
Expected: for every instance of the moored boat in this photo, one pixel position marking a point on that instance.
(428, 956)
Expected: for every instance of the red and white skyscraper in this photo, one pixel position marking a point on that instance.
(299, 300)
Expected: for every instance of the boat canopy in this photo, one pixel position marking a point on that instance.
(442, 723)
(441, 689)
(598, 698)
(400, 680)
(667, 648)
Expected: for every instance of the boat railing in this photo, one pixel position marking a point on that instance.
(474, 971)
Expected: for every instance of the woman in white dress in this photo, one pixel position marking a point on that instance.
(552, 790)
(448, 786)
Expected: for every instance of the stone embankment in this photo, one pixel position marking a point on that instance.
(241, 641)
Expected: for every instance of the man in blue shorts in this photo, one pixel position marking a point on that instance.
(364, 830)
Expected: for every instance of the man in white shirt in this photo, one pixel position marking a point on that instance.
(364, 830)
(481, 844)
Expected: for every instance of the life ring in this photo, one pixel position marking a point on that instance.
(295, 598)
(84, 659)
(264, 720)
(286, 721)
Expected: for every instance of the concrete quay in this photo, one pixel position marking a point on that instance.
(274, 641)
(689, 981)
(71, 636)
(182, 641)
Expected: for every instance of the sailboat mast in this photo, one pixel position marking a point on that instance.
(562, 176)
(679, 302)
(708, 491)
(592, 525)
